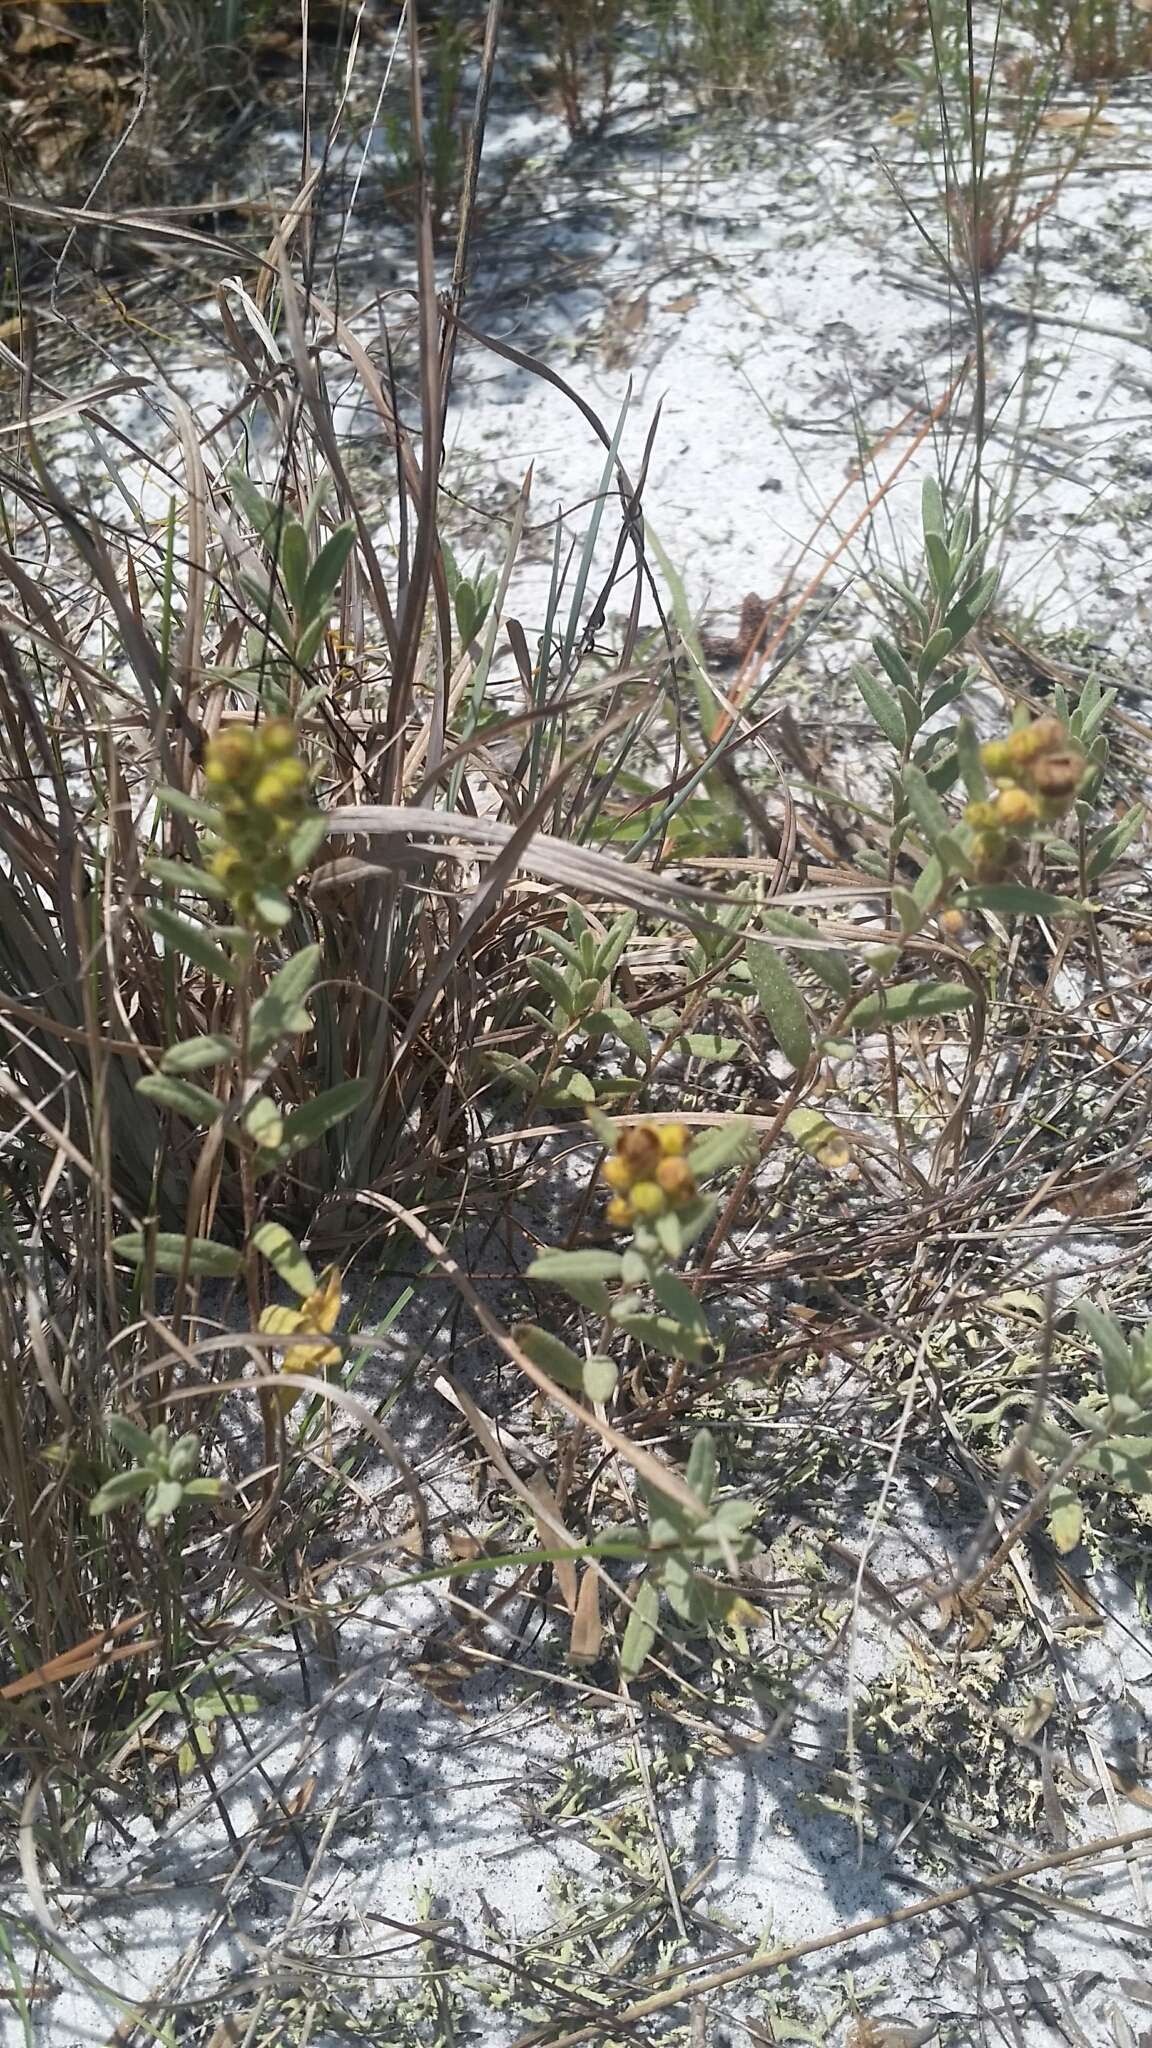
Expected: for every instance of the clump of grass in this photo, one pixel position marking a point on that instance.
(737, 48)
(1095, 40)
(869, 37)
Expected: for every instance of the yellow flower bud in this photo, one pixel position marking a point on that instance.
(983, 817)
(617, 1173)
(1016, 809)
(674, 1139)
(674, 1177)
(640, 1148)
(277, 738)
(648, 1199)
(1028, 742)
(280, 785)
(619, 1213)
(226, 864)
(1058, 776)
(229, 757)
(997, 757)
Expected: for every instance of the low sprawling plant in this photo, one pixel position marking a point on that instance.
(1105, 1437)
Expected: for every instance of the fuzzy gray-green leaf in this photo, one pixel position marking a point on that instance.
(782, 1004)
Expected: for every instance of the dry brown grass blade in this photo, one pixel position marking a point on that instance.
(84, 1657)
(416, 832)
(196, 551)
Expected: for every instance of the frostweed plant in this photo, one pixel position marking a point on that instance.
(653, 1173)
(261, 830)
(260, 785)
(1106, 1435)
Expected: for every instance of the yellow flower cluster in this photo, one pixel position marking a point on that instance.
(257, 780)
(1037, 771)
(648, 1173)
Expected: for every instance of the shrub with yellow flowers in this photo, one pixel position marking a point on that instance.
(654, 1172)
(261, 789)
(261, 829)
(648, 1173)
(1037, 771)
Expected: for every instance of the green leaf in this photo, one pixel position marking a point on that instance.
(599, 1379)
(932, 515)
(206, 1259)
(277, 1013)
(1065, 1519)
(812, 1131)
(583, 1275)
(971, 766)
(953, 854)
(677, 1297)
(707, 1045)
(1015, 899)
(1102, 1330)
(1109, 845)
(612, 948)
(725, 1145)
(117, 1491)
(197, 1104)
(679, 1584)
(266, 611)
(907, 909)
(553, 983)
(929, 883)
(285, 1257)
(830, 967)
(131, 1439)
(629, 1030)
(211, 1049)
(327, 570)
(669, 1235)
(313, 1119)
(568, 1084)
(908, 1001)
(264, 1123)
(182, 875)
(884, 708)
(691, 1221)
(551, 1355)
(308, 640)
(294, 561)
(195, 807)
(517, 1073)
(467, 610)
(701, 1472)
(662, 1333)
(307, 840)
(262, 514)
(163, 1500)
(934, 651)
(926, 806)
(939, 563)
(273, 908)
(781, 1003)
(640, 1633)
(913, 715)
(944, 694)
(898, 671)
(971, 604)
(193, 941)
